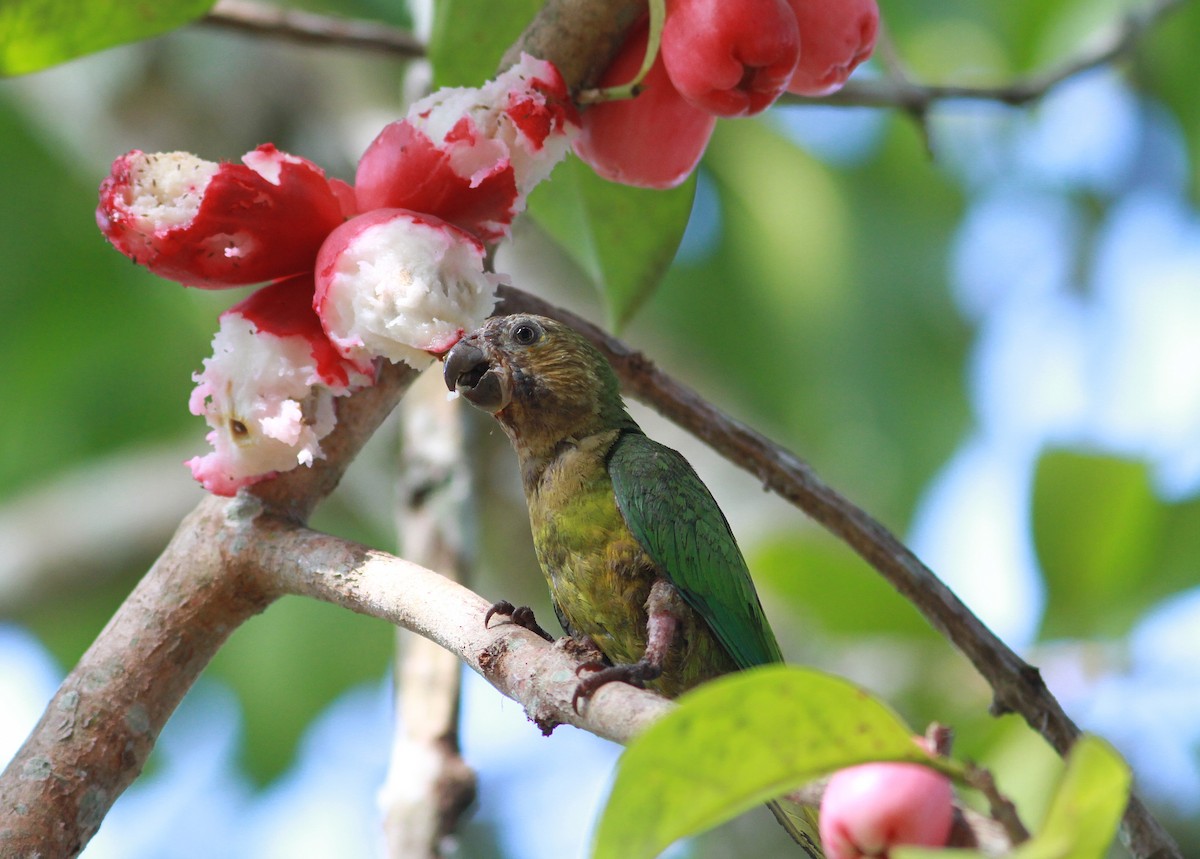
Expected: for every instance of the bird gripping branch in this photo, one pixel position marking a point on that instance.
(640, 561)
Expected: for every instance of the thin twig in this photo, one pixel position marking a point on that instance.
(295, 25)
(893, 91)
(898, 91)
(1002, 808)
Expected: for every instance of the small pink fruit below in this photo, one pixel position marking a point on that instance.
(867, 810)
(652, 141)
(730, 57)
(835, 37)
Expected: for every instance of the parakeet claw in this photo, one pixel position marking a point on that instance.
(522, 616)
(635, 674)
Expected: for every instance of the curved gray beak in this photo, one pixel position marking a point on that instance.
(469, 372)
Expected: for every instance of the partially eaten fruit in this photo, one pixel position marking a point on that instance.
(219, 225)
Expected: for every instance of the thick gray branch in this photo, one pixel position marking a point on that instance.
(99, 728)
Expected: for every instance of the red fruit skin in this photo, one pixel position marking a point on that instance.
(545, 108)
(869, 809)
(835, 37)
(404, 169)
(248, 229)
(285, 309)
(652, 141)
(730, 57)
(475, 175)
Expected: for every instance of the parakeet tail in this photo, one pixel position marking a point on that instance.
(800, 821)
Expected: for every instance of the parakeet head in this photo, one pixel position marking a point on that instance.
(542, 380)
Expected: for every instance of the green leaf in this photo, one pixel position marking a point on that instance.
(36, 34)
(470, 36)
(736, 742)
(1109, 548)
(623, 238)
(1086, 808)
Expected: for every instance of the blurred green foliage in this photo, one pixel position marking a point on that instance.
(1109, 547)
(623, 238)
(99, 352)
(470, 36)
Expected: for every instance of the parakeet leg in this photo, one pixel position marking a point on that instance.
(663, 610)
(520, 615)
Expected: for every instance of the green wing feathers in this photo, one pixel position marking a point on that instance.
(671, 513)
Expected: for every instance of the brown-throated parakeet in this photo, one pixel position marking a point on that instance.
(638, 556)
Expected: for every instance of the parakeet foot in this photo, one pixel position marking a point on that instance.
(522, 616)
(634, 673)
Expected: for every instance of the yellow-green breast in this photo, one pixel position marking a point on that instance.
(598, 573)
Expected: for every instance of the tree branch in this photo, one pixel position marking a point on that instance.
(295, 25)
(98, 730)
(569, 31)
(916, 98)
(1017, 686)
(429, 786)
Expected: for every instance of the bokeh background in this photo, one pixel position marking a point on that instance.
(984, 328)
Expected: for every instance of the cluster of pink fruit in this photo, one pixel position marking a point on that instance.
(391, 268)
(719, 58)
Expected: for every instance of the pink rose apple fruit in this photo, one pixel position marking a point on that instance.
(652, 141)
(730, 57)
(835, 37)
(867, 810)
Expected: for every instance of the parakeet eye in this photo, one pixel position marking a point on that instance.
(526, 333)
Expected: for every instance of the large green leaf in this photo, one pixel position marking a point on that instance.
(470, 36)
(1108, 547)
(736, 742)
(624, 238)
(1086, 808)
(36, 34)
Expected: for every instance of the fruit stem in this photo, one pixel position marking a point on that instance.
(1002, 809)
(658, 16)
